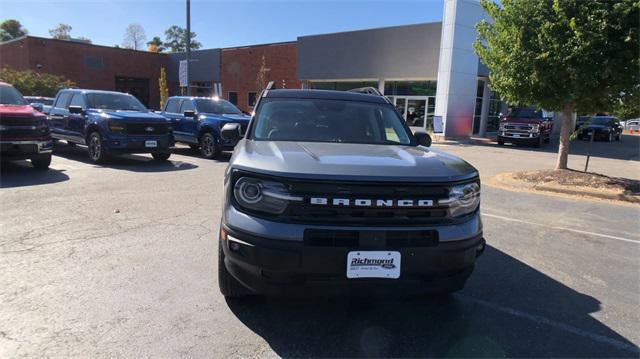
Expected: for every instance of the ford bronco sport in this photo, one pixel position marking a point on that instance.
(331, 191)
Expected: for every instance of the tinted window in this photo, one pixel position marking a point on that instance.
(329, 121)
(11, 96)
(602, 120)
(218, 107)
(77, 100)
(114, 101)
(524, 112)
(172, 106)
(233, 98)
(63, 100)
(187, 105)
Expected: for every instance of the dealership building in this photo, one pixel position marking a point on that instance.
(429, 70)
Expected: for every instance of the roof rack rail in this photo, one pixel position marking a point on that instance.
(367, 90)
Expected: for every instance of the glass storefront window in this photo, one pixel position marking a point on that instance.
(410, 88)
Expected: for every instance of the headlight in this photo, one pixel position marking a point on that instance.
(42, 127)
(535, 128)
(463, 199)
(501, 127)
(262, 195)
(116, 127)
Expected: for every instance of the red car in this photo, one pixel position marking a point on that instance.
(24, 132)
(525, 125)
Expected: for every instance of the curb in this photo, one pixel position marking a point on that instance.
(506, 181)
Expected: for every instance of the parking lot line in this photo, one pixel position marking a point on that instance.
(563, 228)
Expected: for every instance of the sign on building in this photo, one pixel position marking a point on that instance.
(182, 73)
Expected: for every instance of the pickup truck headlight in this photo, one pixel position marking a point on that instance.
(262, 196)
(501, 127)
(535, 128)
(116, 127)
(463, 199)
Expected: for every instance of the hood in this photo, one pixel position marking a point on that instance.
(346, 161)
(19, 111)
(130, 115)
(229, 117)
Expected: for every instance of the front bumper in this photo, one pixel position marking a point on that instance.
(518, 137)
(138, 144)
(24, 149)
(291, 265)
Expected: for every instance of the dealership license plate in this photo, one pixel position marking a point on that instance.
(150, 143)
(373, 264)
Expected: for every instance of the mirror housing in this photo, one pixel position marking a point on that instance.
(423, 139)
(231, 131)
(76, 109)
(189, 113)
(37, 106)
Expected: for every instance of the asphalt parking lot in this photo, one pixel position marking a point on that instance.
(120, 260)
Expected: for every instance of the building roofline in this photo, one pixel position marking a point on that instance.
(372, 28)
(14, 40)
(80, 43)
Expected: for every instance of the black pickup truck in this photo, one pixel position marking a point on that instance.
(330, 191)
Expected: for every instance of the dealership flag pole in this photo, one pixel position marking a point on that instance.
(188, 45)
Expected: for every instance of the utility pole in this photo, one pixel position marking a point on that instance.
(188, 34)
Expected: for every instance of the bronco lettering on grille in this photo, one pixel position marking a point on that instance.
(366, 202)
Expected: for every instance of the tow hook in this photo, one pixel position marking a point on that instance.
(480, 248)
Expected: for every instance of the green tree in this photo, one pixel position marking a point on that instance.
(155, 45)
(176, 39)
(31, 83)
(629, 105)
(567, 56)
(61, 32)
(164, 90)
(11, 29)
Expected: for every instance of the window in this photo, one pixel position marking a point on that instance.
(218, 107)
(410, 88)
(10, 96)
(77, 100)
(114, 101)
(187, 105)
(251, 99)
(172, 106)
(233, 98)
(63, 100)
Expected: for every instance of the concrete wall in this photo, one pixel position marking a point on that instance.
(393, 52)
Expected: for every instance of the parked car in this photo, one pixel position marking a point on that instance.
(331, 190)
(633, 126)
(197, 121)
(525, 125)
(24, 132)
(603, 127)
(109, 123)
(40, 103)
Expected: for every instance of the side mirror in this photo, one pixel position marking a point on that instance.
(37, 106)
(231, 131)
(423, 138)
(189, 113)
(76, 109)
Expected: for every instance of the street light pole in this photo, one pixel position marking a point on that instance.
(188, 54)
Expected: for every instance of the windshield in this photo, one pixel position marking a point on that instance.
(312, 120)
(524, 112)
(114, 101)
(217, 107)
(601, 120)
(11, 96)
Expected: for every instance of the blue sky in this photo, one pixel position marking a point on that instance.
(217, 23)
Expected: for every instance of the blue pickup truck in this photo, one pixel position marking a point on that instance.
(108, 123)
(197, 121)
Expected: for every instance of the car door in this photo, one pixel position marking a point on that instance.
(58, 115)
(76, 122)
(172, 112)
(189, 124)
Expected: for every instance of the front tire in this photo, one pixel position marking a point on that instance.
(229, 286)
(96, 151)
(41, 163)
(161, 156)
(500, 142)
(209, 146)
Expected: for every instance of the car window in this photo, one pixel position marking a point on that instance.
(114, 101)
(172, 105)
(218, 107)
(187, 105)
(10, 96)
(77, 100)
(315, 120)
(63, 100)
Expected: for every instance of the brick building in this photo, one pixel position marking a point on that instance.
(89, 66)
(246, 70)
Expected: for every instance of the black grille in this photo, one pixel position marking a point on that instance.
(370, 239)
(21, 127)
(147, 129)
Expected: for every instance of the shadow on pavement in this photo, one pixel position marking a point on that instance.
(507, 309)
(21, 174)
(127, 162)
(186, 151)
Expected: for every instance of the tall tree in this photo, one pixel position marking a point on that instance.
(11, 29)
(61, 32)
(176, 39)
(164, 90)
(155, 45)
(568, 56)
(134, 37)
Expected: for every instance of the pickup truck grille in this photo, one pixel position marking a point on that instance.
(19, 127)
(305, 212)
(518, 127)
(147, 129)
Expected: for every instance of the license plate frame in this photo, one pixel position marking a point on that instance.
(151, 144)
(373, 264)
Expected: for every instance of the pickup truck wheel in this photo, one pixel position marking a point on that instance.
(538, 141)
(547, 139)
(229, 286)
(501, 142)
(95, 148)
(161, 156)
(208, 146)
(41, 163)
